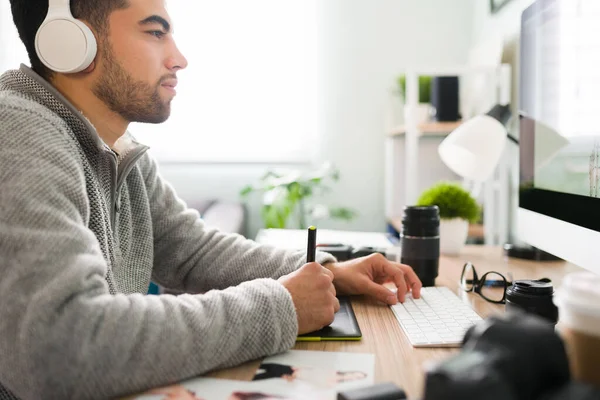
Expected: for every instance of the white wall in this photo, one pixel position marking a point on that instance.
(363, 46)
(12, 51)
(506, 22)
(504, 26)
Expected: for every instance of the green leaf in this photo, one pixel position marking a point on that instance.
(269, 216)
(246, 190)
(424, 88)
(342, 213)
(452, 200)
(306, 191)
(274, 216)
(284, 192)
(269, 174)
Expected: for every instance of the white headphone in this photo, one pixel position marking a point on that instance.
(63, 43)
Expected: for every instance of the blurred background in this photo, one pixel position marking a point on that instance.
(291, 112)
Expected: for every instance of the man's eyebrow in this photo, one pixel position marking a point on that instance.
(156, 19)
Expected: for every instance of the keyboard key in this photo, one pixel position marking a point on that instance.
(438, 318)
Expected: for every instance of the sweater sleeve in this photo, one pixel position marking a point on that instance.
(62, 334)
(194, 257)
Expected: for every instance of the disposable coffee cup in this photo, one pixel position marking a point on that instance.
(578, 302)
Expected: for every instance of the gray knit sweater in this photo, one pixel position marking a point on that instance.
(83, 230)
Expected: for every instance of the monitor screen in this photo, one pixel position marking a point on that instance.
(559, 106)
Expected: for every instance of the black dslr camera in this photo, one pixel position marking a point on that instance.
(515, 356)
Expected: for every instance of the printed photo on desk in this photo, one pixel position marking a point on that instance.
(224, 389)
(326, 372)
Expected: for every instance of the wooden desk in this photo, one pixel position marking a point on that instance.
(395, 359)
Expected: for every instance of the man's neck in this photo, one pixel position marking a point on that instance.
(109, 125)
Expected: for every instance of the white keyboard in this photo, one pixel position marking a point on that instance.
(438, 319)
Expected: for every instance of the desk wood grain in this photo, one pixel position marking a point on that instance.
(395, 358)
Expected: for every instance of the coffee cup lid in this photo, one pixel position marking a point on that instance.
(580, 291)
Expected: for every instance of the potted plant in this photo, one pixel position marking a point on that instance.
(457, 209)
(287, 194)
(424, 106)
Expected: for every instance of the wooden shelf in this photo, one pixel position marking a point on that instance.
(475, 230)
(433, 128)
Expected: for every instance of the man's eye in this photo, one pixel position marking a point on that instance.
(157, 34)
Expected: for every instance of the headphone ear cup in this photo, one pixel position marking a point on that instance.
(65, 45)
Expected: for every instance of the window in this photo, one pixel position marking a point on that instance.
(249, 92)
(12, 51)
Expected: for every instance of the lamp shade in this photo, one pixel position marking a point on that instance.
(474, 148)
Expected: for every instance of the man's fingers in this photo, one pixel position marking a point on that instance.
(413, 280)
(402, 287)
(336, 306)
(396, 274)
(332, 290)
(327, 272)
(381, 293)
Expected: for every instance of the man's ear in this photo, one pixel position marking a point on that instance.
(92, 65)
(90, 68)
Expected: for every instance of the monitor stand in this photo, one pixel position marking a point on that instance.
(527, 252)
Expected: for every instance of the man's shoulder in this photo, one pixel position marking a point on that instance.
(31, 130)
(23, 112)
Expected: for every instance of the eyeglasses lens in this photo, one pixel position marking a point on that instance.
(493, 287)
(468, 277)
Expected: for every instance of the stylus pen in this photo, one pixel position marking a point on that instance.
(312, 244)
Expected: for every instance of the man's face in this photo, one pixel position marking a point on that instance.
(138, 62)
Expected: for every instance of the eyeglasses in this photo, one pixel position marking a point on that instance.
(492, 285)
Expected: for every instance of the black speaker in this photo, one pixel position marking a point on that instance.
(444, 98)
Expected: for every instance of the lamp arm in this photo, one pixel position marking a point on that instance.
(502, 114)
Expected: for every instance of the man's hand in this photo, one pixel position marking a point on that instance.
(366, 275)
(313, 293)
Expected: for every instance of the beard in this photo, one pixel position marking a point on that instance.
(133, 100)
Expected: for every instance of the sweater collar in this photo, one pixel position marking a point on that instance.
(27, 81)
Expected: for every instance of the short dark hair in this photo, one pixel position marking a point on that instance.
(28, 15)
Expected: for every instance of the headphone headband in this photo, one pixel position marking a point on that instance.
(60, 4)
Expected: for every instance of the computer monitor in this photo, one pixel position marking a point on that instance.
(559, 115)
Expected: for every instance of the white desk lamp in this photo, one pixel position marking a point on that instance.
(473, 151)
(474, 148)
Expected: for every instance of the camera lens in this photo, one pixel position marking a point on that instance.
(420, 241)
(532, 296)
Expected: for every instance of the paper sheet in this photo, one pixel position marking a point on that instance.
(296, 239)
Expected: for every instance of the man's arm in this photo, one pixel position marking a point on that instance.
(193, 257)
(62, 334)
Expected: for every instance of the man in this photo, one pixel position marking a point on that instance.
(86, 222)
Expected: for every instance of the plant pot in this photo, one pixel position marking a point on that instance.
(453, 235)
(422, 113)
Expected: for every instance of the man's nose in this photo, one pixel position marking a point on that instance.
(177, 61)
